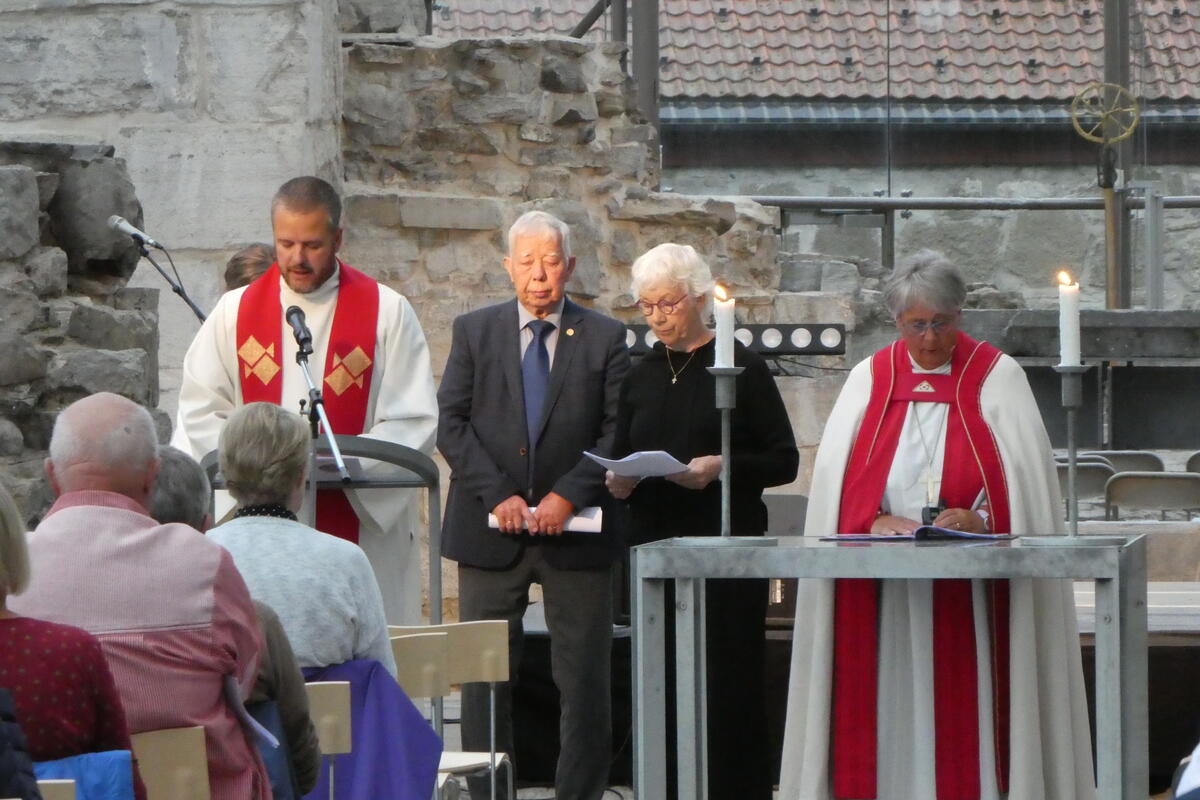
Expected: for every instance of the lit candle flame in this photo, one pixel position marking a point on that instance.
(1065, 278)
(721, 293)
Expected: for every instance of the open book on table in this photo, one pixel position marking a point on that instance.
(925, 533)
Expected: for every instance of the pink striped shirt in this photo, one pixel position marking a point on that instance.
(172, 614)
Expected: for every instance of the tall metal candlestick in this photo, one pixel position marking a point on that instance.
(1072, 400)
(726, 378)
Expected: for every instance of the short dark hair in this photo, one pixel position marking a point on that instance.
(247, 264)
(182, 492)
(309, 193)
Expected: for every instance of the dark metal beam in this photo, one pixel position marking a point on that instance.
(589, 19)
(1116, 70)
(645, 58)
(833, 204)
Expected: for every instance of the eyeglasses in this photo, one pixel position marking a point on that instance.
(919, 327)
(666, 306)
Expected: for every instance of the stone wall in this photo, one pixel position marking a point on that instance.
(212, 103)
(446, 143)
(382, 16)
(68, 325)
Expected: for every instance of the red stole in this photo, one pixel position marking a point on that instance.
(971, 461)
(349, 362)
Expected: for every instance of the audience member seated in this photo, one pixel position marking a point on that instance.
(16, 768)
(182, 493)
(247, 264)
(171, 612)
(322, 587)
(64, 695)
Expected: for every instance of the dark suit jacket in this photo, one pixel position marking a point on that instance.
(482, 433)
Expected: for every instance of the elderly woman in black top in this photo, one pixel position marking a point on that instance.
(668, 402)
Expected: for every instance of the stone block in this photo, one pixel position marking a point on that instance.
(549, 182)
(813, 307)
(386, 255)
(569, 109)
(47, 270)
(263, 68)
(449, 212)
(399, 16)
(11, 440)
(123, 372)
(20, 360)
(457, 139)
(115, 60)
(562, 75)
(512, 109)
(20, 310)
(229, 172)
(623, 245)
(367, 206)
(88, 194)
(469, 84)
(108, 328)
(18, 211)
(841, 277)
(462, 255)
(661, 208)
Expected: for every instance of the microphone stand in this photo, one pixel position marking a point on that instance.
(316, 414)
(177, 288)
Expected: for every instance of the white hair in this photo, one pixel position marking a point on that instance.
(674, 265)
(14, 554)
(925, 278)
(182, 492)
(540, 222)
(129, 444)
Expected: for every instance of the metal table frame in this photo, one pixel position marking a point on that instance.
(1118, 568)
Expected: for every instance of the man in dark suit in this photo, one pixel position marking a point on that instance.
(529, 385)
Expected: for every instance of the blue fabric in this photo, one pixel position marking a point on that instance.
(535, 374)
(279, 765)
(97, 776)
(394, 752)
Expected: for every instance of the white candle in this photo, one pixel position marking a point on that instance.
(723, 312)
(1068, 320)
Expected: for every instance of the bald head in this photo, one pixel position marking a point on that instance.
(107, 443)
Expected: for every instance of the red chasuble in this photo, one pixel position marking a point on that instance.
(971, 463)
(349, 362)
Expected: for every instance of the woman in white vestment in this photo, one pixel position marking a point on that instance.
(955, 690)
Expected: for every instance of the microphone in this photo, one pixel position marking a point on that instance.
(121, 224)
(295, 317)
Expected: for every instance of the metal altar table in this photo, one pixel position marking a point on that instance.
(1117, 564)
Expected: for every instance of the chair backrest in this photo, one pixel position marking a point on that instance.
(1084, 458)
(1161, 490)
(1131, 460)
(173, 763)
(57, 789)
(478, 649)
(329, 709)
(1172, 548)
(1193, 463)
(422, 661)
(1090, 479)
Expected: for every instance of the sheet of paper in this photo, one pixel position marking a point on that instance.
(587, 520)
(869, 537)
(643, 464)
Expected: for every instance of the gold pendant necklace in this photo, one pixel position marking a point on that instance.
(675, 375)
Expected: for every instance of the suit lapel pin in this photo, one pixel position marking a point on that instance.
(570, 331)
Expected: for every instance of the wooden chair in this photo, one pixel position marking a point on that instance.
(173, 763)
(477, 653)
(1165, 491)
(329, 708)
(57, 789)
(1130, 460)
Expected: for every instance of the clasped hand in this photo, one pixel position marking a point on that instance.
(513, 515)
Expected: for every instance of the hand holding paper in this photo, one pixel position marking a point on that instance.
(644, 464)
(586, 520)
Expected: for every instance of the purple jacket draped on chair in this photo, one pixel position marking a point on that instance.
(394, 751)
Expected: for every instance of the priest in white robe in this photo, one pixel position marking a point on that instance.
(369, 357)
(955, 690)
